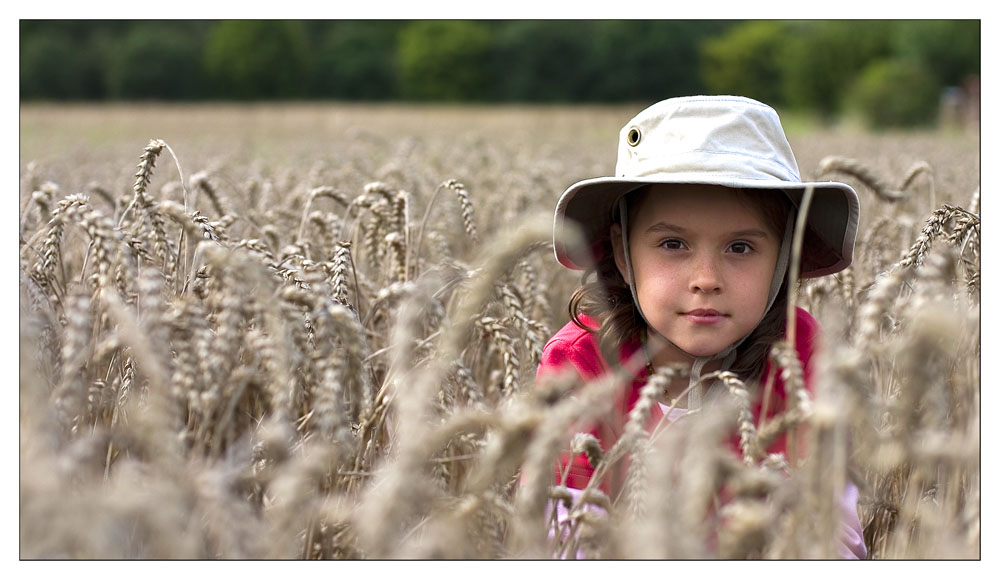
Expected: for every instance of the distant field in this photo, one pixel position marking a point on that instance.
(310, 331)
(580, 141)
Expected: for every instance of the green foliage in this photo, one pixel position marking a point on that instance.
(822, 58)
(156, 61)
(808, 65)
(604, 60)
(895, 93)
(356, 60)
(258, 58)
(542, 60)
(648, 59)
(51, 68)
(948, 49)
(63, 59)
(442, 60)
(747, 61)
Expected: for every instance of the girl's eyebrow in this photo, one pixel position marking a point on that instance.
(663, 227)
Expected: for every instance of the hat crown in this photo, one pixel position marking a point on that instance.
(698, 138)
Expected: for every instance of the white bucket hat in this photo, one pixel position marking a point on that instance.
(720, 140)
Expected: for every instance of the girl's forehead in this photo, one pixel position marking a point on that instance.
(695, 200)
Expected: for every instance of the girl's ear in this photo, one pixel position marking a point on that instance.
(619, 248)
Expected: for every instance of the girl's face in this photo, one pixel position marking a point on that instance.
(703, 258)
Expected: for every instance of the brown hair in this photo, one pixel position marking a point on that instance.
(604, 295)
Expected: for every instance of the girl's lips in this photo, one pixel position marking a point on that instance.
(704, 316)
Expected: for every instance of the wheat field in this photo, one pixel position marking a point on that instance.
(311, 332)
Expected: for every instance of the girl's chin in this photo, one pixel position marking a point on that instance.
(686, 352)
(702, 353)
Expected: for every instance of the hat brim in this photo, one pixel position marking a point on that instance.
(832, 224)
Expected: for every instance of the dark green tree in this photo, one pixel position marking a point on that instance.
(51, 67)
(64, 59)
(646, 60)
(356, 60)
(444, 60)
(746, 61)
(822, 58)
(157, 60)
(895, 92)
(543, 61)
(949, 49)
(248, 59)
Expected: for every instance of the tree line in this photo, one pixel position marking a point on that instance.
(827, 66)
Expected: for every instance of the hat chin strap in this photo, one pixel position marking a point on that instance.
(696, 391)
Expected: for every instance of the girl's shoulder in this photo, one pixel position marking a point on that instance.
(807, 332)
(804, 320)
(807, 336)
(574, 346)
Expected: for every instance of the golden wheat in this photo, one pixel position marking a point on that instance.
(319, 359)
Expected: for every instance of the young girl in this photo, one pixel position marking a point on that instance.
(686, 252)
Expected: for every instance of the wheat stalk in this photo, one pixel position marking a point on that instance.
(860, 171)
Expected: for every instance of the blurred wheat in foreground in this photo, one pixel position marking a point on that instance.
(296, 370)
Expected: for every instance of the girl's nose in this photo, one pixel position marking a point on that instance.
(705, 276)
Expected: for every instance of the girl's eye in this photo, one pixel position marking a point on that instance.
(672, 244)
(740, 248)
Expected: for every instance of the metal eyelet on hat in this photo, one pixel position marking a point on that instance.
(633, 137)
